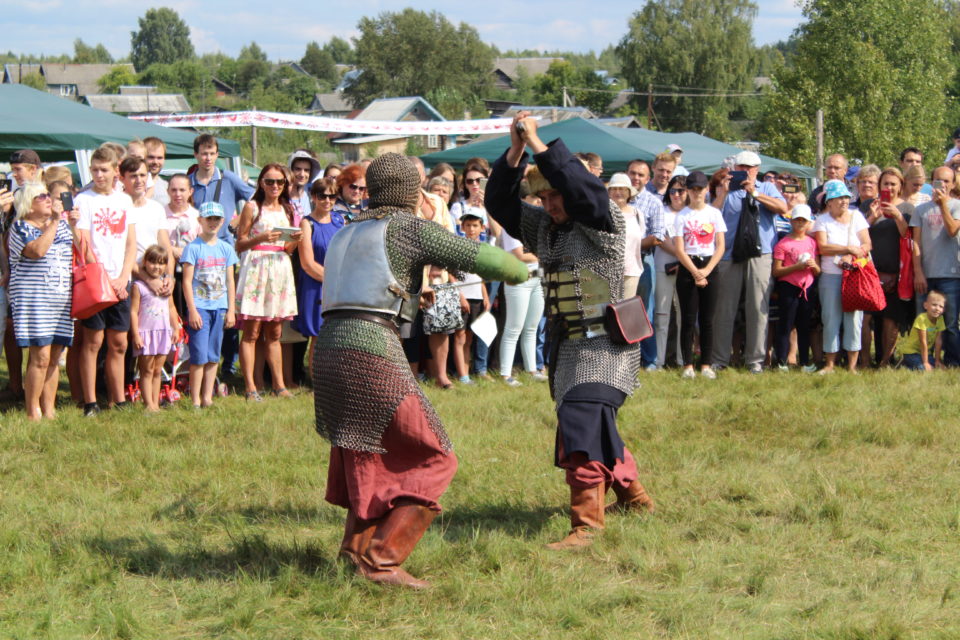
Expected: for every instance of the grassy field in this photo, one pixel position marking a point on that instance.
(790, 506)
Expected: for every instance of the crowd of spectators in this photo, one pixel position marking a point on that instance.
(738, 268)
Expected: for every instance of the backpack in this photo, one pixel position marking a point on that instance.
(746, 242)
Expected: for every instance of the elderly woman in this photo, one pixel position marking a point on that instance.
(842, 235)
(889, 221)
(40, 292)
(868, 188)
(621, 191)
(351, 192)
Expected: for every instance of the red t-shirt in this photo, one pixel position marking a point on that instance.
(789, 251)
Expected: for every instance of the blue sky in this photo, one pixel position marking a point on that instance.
(283, 28)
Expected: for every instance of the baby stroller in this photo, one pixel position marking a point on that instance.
(175, 375)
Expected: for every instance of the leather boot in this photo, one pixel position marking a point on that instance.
(586, 518)
(356, 537)
(395, 536)
(631, 498)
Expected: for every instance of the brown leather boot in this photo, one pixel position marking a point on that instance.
(356, 537)
(395, 536)
(586, 518)
(631, 498)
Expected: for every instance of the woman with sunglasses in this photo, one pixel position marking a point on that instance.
(317, 229)
(266, 295)
(351, 192)
(41, 251)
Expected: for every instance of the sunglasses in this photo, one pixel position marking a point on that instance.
(473, 180)
(327, 196)
(42, 197)
(357, 187)
(677, 192)
(274, 182)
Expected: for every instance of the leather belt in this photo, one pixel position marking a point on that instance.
(368, 317)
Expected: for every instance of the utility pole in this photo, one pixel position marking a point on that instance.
(564, 97)
(649, 106)
(820, 145)
(253, 142)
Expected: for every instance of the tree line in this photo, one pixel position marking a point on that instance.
(885, 73)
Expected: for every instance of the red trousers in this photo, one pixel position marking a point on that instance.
(415, 467)
(583, 473)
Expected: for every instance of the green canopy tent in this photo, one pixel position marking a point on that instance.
(618, 146)
(60, 129)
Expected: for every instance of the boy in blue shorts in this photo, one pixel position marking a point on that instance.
(210, 295)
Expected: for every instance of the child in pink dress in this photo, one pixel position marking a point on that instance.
(153, 323)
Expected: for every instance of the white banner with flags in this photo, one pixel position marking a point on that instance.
(337, 125)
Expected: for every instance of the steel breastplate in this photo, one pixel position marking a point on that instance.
(357, 274)
(576, 300)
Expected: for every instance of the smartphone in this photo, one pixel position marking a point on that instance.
(67, 199)
(6, 183)
(737, 178)
(483, 184)
(885, 196)
(938, 184)
(791, 188)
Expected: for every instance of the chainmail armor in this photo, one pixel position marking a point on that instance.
(360, 371)
(582, 360)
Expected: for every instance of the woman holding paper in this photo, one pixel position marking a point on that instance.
(266, 295)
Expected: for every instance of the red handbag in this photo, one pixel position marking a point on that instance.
(905, 284)
(861, 289)
(92, 291)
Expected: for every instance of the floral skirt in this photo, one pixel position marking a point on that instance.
(265, 288)
(444, 316)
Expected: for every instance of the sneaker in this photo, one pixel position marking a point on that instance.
(90, 409)
(510, 381)
(465, 380)
(651, 367)
(809, 368)
(538, 377)
(825, 372)
(483, 375)
(783, 367)
(688, 374)
(755, 369)
(709, 374)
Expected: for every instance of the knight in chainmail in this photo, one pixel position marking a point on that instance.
(578, 238)
(390, 459)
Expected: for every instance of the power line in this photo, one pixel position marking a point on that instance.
(656, 94)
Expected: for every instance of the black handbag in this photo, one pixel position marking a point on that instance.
(746, 242)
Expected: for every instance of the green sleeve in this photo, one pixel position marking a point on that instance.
(497, 264)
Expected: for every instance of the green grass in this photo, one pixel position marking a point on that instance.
(789, 506)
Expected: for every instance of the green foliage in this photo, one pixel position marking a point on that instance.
(952, 13)
(412, 53)
(85, 54)
(35, 80)
(319, 63)
(548, 87)
(163, 37)
(189, 77)
(681, 44)
(340, 50)
(294, 86)
(869, 66)
(117, 77)
(252, 51)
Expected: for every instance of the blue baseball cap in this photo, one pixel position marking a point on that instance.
(211, 210)
(835, 189)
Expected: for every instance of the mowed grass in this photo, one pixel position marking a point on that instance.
(789, 506)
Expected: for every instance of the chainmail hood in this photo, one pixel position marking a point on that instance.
(393, 182)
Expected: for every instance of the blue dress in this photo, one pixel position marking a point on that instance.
(308, 320)
(40, 289)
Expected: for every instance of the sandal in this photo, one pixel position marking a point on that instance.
(254, 396)
(282, 393)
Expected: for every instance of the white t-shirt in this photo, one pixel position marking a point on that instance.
(633, 256)
(108, 219)
(699, 228)
(182, 227)
(472, 288)
(510, 243)
(838, 233)
(660, 257)
(151, 218)
(160, 191)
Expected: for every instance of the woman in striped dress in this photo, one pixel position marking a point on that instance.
(41, 247)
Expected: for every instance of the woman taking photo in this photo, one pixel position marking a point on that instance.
(266, 295)
(889, 221)
(842, 235)
(317, 229)
(41, 253)
(698, 241)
